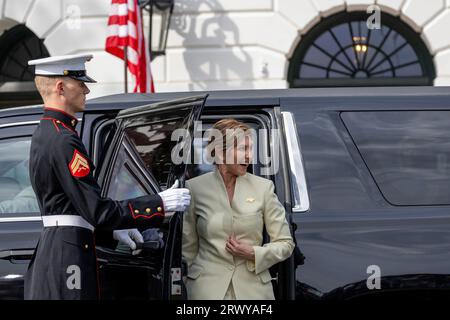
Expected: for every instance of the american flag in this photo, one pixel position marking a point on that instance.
(125, 30)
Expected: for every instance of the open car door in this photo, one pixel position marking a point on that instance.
(144, 158)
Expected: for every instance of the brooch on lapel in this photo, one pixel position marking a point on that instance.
(250, 200)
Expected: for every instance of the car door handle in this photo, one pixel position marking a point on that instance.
(16, 254)
(148, 245)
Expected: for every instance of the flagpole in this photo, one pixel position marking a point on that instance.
(125, 62)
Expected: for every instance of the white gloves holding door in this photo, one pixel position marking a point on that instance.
(175, 199)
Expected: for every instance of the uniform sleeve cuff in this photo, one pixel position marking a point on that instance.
(163, 211)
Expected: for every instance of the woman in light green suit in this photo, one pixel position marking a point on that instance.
(223, 227)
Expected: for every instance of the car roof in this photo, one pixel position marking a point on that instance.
(239, 97)
(219, 97)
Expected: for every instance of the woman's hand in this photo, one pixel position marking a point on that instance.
(239, 249)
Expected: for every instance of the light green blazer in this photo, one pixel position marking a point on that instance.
(210, 220)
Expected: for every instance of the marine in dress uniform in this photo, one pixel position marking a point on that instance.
(64, 263)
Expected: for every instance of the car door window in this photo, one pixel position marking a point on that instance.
(406, 152)
(148, 131)
(153, 144)
(125, 184)
(16, 194)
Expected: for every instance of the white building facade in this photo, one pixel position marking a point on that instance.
(218, 44)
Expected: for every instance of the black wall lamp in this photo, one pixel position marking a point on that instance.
(159, 10)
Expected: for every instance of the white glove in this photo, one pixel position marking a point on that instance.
(126, 236)
(175, 199)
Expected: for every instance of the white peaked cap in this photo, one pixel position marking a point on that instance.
(70, 65)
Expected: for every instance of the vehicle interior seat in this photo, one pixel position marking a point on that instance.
(9, 188)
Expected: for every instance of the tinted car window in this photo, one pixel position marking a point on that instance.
(16, 193)
(124, 184)
(407, 153)
(153, 144)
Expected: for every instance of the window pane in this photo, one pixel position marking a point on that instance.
(342, 34)
(336, 66)
(383, 68)
(153, 144)
(326, 41)
(409, 71)
(392, 43)
(342, 48)
(317, 57)
(406, 54)
(407, 152)
(312, 72)
(123, 184)
(19, 45)
(16, 194)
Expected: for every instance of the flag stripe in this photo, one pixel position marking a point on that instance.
(121, 20)
(119, 9)
(122, 31)
(125, 30)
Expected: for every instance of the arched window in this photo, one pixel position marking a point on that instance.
(342, 51)
(18, 45)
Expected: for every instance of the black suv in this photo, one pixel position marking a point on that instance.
(364, 173)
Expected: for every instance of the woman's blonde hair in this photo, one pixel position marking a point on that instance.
(230, 131)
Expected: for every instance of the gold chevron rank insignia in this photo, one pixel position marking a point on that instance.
(250, 200)
(79, 166)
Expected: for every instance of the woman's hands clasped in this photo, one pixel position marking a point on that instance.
(239, 249)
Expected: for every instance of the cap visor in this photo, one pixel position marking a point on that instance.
(85, 78)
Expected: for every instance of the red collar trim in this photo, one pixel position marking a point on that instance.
(60, 122)
(59, 110)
